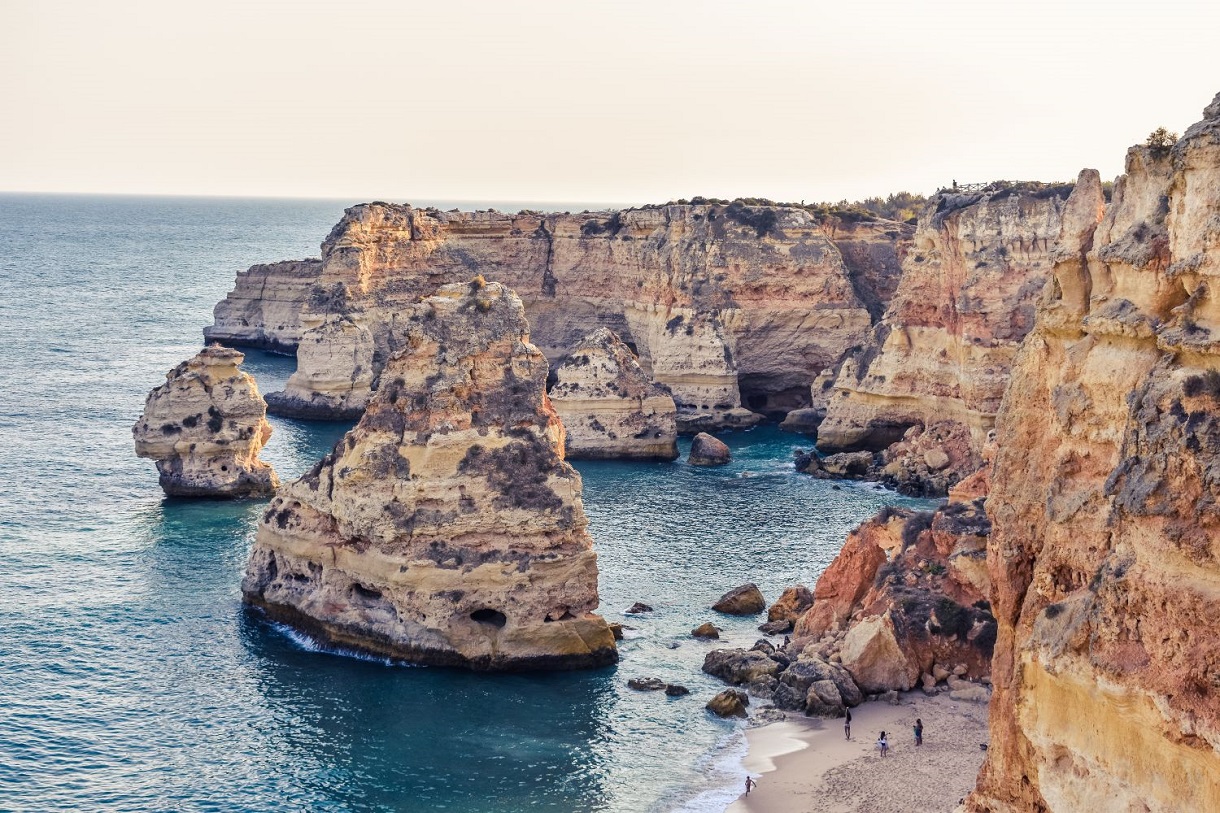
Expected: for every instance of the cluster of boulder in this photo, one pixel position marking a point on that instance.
(926, 462)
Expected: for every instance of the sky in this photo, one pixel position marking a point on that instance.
(618, 101)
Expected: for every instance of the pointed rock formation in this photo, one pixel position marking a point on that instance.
(1105, 554)
(205, 426)
(446, 527)
(610, 409)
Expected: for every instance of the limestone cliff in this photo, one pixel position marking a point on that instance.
(944, 349)
(205, 427)
(446, 527)
(609, 407)
(721, 303)
(1105, 554)
(264, 308)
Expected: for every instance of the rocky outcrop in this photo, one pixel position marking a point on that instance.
(907, 592)
(1105, 554)
(706, 450)
(446, 527)
(205, 427)
(721, 302)
(945, 347)
(744, 600)
(264, 308)
(609, 407)
(792, 680)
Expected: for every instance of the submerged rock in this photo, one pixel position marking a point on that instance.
(205, 427)
(446, 527)
(706, 450)
(609, 407)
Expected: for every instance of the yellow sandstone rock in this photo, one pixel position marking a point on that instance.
(446, 527)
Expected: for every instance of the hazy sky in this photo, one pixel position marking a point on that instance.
(617, 100)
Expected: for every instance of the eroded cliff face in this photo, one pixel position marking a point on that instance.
(446, 527)
(944, 349)
(1104, 555)
(720, 302)
(264, 308)
(205, 427)
(609, 407)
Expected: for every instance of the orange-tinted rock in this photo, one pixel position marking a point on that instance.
(791, 604)
(847, 580)
(744, 600)
(1105, 554)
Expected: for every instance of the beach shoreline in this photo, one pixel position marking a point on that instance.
(806, 764)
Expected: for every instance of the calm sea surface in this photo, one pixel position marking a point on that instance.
(131, 678)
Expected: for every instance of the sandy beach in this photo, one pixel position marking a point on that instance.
(806, 765)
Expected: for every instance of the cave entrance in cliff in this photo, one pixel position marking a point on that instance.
(493, 618)
(759, 394)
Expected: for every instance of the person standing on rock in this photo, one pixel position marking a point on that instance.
(847, 724)
(918, 731)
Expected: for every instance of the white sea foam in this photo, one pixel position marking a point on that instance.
(723, 770)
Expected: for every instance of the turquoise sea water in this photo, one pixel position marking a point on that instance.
(131, 679)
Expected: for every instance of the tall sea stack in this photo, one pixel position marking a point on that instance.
(446, 527)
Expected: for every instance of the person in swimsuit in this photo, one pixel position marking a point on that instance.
(750, 784)
(918, 731)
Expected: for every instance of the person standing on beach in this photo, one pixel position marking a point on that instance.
(918, 731)
(847, 724)
(750, 784)
(883, 745)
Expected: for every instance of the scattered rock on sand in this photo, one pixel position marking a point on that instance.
(706, 450)
(729, 703)
(744, 600)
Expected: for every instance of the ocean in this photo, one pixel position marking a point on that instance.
(131, 677)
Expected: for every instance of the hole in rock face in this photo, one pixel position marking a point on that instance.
(493, 617)
(360, 591)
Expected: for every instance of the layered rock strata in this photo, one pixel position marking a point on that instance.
(905, 594)
(720, 302)
(609, 407)
(205, 427)
(945, 347)
(446, 527)
(1105, 556)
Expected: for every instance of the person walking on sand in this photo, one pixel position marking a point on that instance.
(918, 731)
(883, 745)
(750, 784)
(847, 724)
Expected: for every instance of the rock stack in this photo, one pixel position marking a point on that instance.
(205, 427)
(446, 527)
(610, 409)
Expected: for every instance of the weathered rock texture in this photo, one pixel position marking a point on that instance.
(706, 450)
(1105, 554)
(720, 302)
(609, 407)
(906, 592)
(446, 527)
(945, 347)
(205, 427)
(792, 680)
